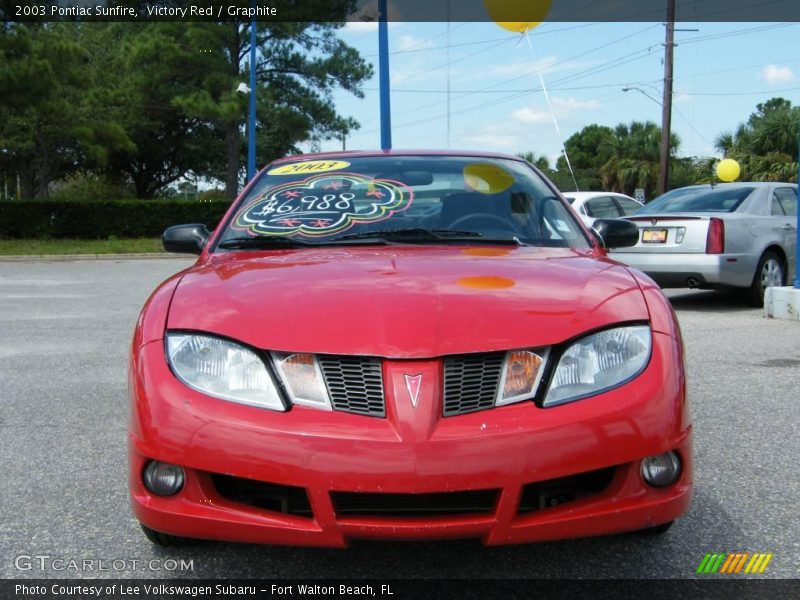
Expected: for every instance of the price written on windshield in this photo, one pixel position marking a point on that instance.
(304, 204)
(323, 205)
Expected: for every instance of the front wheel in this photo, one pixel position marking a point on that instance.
(769, 273)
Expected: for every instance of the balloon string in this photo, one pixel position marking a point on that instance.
(552, 112)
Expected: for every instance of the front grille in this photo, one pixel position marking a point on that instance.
(554, 492)
(285, 499)
(414, 505)
(470, 382)
(355, 384)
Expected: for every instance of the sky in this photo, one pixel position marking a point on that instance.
(721, 70)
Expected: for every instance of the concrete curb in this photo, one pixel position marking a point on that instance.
(782, 303)
(64, 257)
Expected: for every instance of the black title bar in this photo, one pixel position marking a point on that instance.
(399, 10)
(396, 589)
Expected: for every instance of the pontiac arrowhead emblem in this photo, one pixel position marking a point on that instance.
(413, 383)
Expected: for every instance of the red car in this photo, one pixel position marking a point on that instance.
(406, 345)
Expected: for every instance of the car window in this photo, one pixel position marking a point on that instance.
(602, 207)
(699, 199)
(776, 210)
(786, 197)
(569, 199)
(321, 201)
(628, 207)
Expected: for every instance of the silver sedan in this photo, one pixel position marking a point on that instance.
(734, 235)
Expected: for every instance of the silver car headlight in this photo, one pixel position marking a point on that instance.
(222, 369)
(599, 362)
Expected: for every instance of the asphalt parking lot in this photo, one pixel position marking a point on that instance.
(64, 334)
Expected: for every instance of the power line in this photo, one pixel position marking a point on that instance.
(735, 33)
(611, 64)
(561, 62)
(773, 91)
(493, 102)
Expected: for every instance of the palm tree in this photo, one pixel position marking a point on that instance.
(539, 161)
(766, 144)
(635, 156)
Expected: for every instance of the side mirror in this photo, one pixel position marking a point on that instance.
(616, 233)
(187, 239)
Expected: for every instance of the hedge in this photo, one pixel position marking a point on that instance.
(102, 219)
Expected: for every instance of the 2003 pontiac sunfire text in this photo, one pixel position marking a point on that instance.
(151, 11)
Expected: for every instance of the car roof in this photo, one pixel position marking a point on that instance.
(588, 195)
(374, 153)
(736, 184)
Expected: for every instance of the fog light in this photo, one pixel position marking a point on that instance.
(163, 479)
(661, 470)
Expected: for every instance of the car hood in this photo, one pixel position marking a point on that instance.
(404, 301)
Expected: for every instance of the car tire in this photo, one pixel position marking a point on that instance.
(771, 271)
(167, 540)
(658, 529)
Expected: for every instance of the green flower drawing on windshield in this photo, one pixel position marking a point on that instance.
(323, 205)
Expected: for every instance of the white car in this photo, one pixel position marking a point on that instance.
(731, 235)
(602, 205)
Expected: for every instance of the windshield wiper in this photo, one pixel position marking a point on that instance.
(411, 233)
(262, 241)
(421, 234)
(386, 236)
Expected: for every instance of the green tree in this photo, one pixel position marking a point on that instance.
(589, 148)
(620, 159)
(47, 128)
(299, 67)
(766, 144)
(539, 161)
(138, 93)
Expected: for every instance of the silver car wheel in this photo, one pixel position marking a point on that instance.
(771, 274)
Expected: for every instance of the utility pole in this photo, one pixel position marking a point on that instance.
(383, 75)
(666, 113)
(251, 118)
(448, 75)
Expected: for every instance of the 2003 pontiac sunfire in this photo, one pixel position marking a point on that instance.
(406, 345)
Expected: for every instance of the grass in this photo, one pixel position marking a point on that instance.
(70, 246)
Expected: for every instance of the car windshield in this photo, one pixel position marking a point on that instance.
(698, 199)
(401, 199)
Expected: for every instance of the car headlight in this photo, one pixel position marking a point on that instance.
(223, 369)
(599, 362)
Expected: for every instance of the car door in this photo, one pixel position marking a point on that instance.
(784, 212)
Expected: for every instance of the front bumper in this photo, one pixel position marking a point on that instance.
(411, 451)
(692, 270)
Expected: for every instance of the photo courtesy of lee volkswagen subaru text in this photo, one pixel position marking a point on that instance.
(408, 346)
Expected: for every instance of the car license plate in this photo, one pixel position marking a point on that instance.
(654, 236)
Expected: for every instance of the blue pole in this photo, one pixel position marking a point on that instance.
(797, 231)
(383, 65)
(251, 122)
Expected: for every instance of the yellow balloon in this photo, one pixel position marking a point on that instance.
(486, 178)
(728, 170)
(503, 10)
